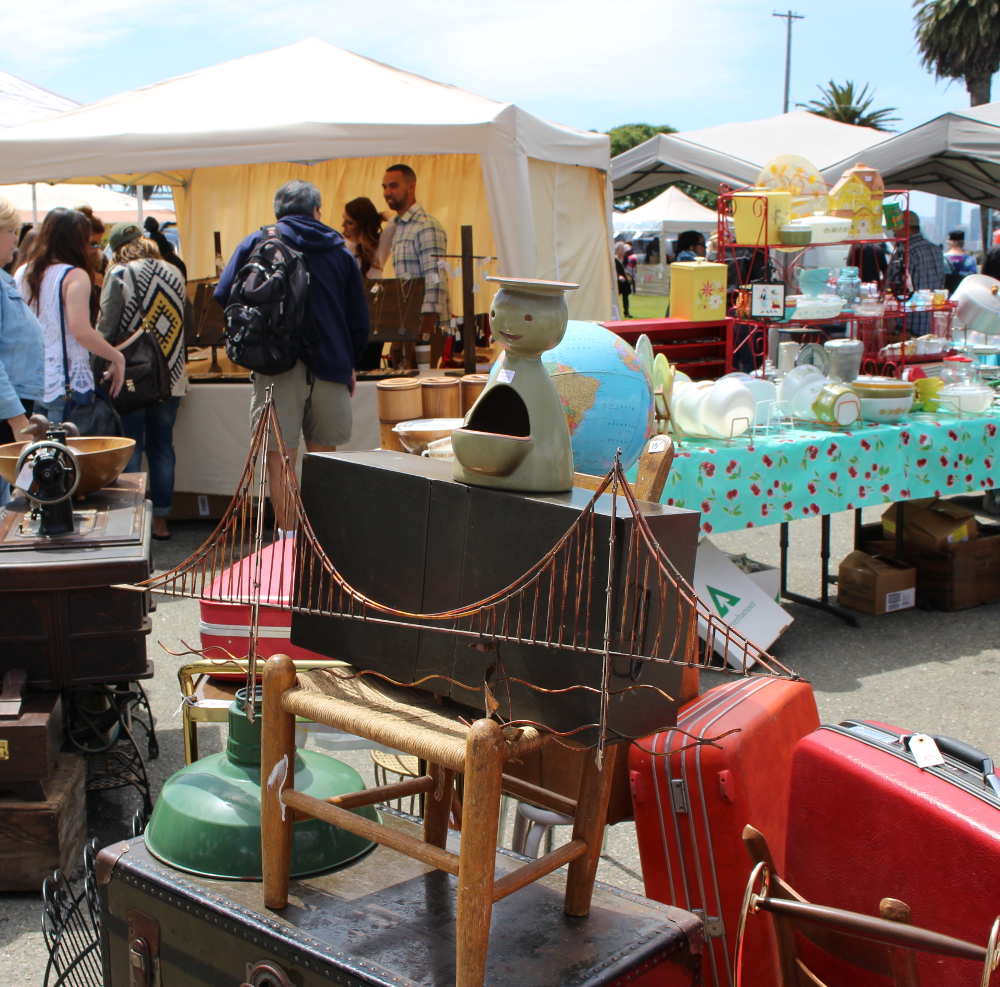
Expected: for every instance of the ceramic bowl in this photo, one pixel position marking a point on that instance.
(967, 399)
(795, 236)
(687, 411)
(489, 453)
(727, 409)
(794, 379)
(883, 387)
(805, 397)
(417, 433)
(885, 410)
(101, 459)
(812, 282)
(765, 395)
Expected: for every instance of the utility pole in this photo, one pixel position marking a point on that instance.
(788, 18)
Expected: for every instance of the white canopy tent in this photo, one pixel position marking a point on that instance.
(955, 155)
(112, 207)
(735, 153)
(535, 192)
(22, 102)
(670, 212)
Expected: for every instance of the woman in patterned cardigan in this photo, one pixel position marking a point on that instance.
(140, 289)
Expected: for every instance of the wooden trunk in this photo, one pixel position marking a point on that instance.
(36, 838)
(29, 746)
(386, 919)
(61, 620)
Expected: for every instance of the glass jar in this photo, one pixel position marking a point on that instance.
(849, 288)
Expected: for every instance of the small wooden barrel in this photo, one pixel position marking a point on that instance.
(471, 386)
(441, 397)
(389, 439)
(399, 400)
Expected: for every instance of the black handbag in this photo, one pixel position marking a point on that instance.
(147, 375)
(93, 413)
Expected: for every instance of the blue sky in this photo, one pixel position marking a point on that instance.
(589, 63)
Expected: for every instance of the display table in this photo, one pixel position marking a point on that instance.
(785, 477)
(797, 474)
(212, 434)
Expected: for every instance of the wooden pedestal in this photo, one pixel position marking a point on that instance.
(36, 838)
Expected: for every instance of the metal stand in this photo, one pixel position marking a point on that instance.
(71, 927)
(102, 723)
(823, 603)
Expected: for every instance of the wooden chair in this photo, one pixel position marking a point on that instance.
(887, 946)
(408, 721)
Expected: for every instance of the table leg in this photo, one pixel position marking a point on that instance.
(822, 604)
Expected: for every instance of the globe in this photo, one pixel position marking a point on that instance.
(606, 394)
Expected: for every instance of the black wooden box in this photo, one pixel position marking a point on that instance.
(386, 920)
(402, 531)
(60, 619)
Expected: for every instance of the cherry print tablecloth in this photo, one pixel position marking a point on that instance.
(799, 474)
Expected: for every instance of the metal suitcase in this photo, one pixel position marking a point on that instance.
(691, 808)
(386, 920)
(866, 823)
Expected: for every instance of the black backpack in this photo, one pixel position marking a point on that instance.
(268, 307)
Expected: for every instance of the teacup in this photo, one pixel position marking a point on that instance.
(812, 282)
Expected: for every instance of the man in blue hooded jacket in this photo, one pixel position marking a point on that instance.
(314, 397)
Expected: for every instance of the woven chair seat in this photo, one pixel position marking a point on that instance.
(405, 719)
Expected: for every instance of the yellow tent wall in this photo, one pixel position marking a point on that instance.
(567, 205)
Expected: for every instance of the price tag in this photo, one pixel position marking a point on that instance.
(505, 376)
(925, 751)
(657, 445)
(25, 477)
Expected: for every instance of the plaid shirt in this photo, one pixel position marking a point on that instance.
(418, 243)
(926, 270)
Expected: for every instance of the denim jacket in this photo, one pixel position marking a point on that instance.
(22, 353)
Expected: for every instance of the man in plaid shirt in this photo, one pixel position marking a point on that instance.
(418, 244)
(924, 270)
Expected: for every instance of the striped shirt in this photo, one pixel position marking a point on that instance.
(418, 244)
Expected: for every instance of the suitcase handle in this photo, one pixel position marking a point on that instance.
(971, 756)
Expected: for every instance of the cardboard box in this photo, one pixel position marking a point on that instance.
(876, 585)
(955, 577)
(767, 577)
(740, 601)
(194, 506)
(931, 523)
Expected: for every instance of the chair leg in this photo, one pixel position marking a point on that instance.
(190, 736)
(591, 818)
(477, 861)
(437, 805)
(277, 772)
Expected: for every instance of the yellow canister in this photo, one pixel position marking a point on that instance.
(697, 291)
(759, 214)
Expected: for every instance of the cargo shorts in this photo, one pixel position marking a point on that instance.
(317, 409)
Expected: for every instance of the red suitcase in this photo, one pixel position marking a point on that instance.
(866, 823)
(691, 807)
(225, 627)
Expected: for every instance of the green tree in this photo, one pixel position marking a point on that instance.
(844, 104)
(960, 39)
(629, 135)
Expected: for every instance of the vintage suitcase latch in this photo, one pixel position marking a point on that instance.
(143, 949)
(714, 926)
(266, 973)
(679, 795)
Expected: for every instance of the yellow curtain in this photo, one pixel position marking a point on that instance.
(571, 234)
(237, 199)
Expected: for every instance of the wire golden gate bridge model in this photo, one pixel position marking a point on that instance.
(548, 606)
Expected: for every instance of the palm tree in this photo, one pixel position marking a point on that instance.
(843, 104)
(960, 39)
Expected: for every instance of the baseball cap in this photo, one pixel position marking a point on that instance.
(122, 233)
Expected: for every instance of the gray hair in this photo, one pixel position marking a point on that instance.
(296, 198)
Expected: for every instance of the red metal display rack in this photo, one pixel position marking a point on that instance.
(870, 329)
(702, 350)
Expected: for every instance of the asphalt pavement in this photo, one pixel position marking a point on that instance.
(929, 671)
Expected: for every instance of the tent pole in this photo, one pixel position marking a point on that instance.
(468, 302)
(34, 205)
(138, 201)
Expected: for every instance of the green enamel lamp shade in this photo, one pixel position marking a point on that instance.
(207, 818)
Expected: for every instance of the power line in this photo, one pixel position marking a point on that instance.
(788, 18)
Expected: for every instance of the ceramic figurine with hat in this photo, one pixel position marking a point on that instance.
(515, 436)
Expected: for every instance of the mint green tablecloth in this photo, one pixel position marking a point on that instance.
(798, 474)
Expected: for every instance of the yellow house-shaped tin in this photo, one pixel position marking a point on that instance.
(858, 197)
